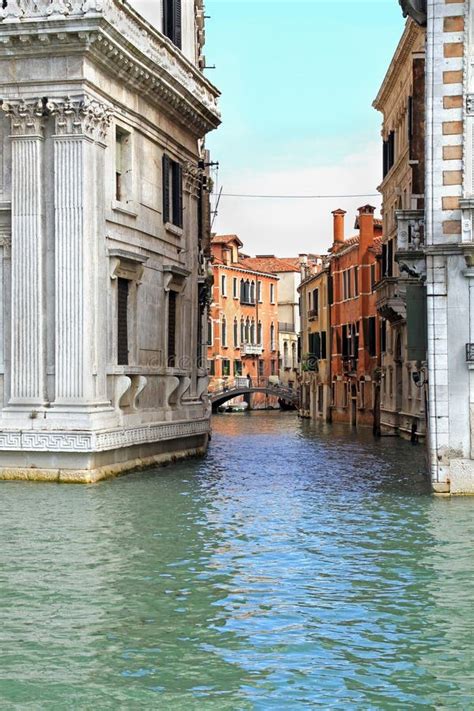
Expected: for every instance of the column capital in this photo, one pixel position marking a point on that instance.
(80, 116)
(192, 178)
(27, 116)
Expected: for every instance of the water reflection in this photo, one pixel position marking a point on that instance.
(296, 566)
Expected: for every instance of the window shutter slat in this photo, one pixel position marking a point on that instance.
(177, 196)
(171, 329)
(177, 23)
(166, 188)
(122, 322)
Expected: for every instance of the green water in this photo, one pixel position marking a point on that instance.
(295, 567)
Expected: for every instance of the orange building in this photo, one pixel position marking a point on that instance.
(355, 332)
(243, 324)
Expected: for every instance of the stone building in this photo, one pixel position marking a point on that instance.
(315, 378)
(103, 219)
(243, 325)
(401, 102)
(355, 332)
(449, 239)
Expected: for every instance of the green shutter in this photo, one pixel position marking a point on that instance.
(417, 333)
(166, 188)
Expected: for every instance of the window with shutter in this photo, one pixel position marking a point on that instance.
(172, 297)
(177, 193)
(323, 345)
(172, 191)
(172, 21)
(122, 321)
(166, 188)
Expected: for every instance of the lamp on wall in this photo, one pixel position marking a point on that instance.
(416, 9)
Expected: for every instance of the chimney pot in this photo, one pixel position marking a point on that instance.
(339, 225)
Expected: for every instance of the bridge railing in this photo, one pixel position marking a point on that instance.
(244, 383)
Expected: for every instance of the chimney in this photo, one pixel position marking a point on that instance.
(365, 223)
(338, 227)
(303, 265)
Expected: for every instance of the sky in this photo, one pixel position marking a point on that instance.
(298, 79)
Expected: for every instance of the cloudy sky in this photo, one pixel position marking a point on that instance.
(298, 80)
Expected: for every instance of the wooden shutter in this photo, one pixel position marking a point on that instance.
(177, 23)
(177, 177)
(390, 257)
(323, 345)
(166, 188)
(417, 339)
(171, 329)
(122, 321)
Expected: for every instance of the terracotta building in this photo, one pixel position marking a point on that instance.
(401, 300)
(315, 379)
(243, 325)
(288, 272)
(355, 331)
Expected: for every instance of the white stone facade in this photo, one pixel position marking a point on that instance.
(449, 243)
(102, 240)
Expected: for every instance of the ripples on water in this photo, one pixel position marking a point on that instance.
(294, 567)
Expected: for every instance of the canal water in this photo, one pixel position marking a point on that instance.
(295, 567)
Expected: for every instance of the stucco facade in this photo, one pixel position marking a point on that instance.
(103, 218)
(243, 324)
(315, 377)
(288, 272)
(401, 102)
(355, 331)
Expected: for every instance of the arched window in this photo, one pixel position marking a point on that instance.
(272, 337)
(293, 355)
(247, 331)
(252, 292)
(259, 334)
(223, 285)
(242, 290)
(224, 332)
(236, 333)
(242, 331)
(252, 333)
(286, 362)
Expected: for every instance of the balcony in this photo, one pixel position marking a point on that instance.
(390, 299)
(349, 365)
(248, 349)
(313, 314)
(286, 327)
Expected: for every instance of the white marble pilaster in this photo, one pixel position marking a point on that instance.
(80, 124)
(28, 371)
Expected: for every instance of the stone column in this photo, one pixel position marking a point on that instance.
(80, 126)
(28, 370)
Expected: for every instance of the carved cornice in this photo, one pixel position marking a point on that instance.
(27, 116)
(129, 46)
(80, 116)
(410, 37)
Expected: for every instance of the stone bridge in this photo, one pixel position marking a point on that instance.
(243, 386)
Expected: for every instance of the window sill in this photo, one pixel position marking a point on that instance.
(127, 208)
(173, 229)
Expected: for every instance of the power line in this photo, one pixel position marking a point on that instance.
(298, 197)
